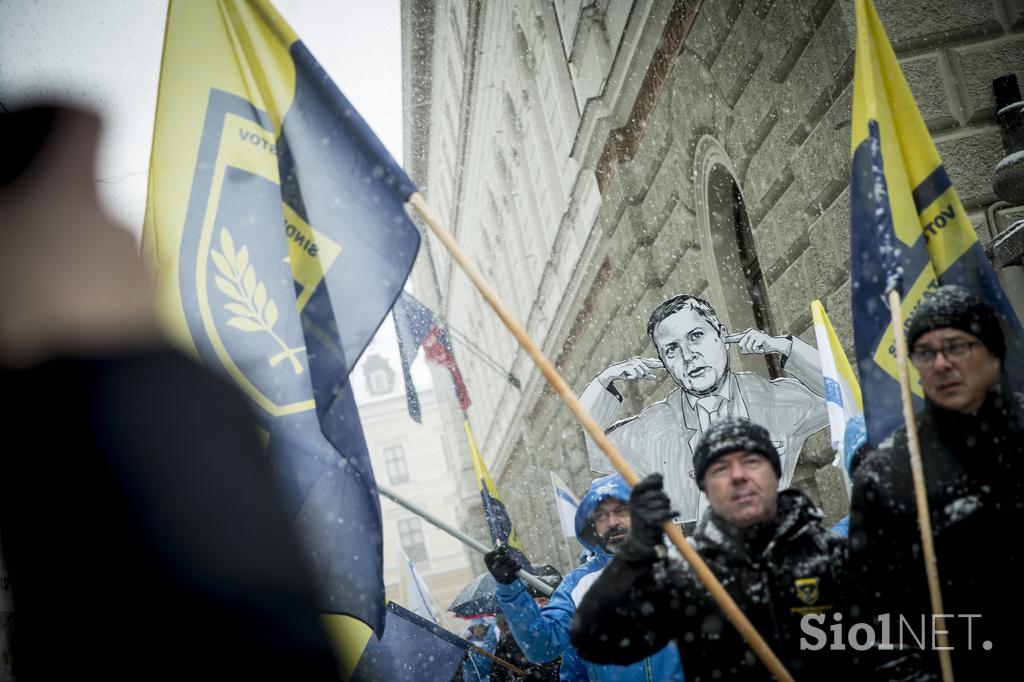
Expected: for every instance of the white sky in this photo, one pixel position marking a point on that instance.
(105, 55)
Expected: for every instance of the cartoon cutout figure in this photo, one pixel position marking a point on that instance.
(693, 347)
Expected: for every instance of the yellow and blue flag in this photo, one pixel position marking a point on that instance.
(908, 229)
(842, 392)
(276, 222)
(498, 521)
(412, 649)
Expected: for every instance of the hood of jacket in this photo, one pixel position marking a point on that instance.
(601, 489)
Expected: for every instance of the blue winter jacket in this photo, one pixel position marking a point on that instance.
(543, 633)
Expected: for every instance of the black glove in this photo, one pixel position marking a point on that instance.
(501, 565)
(649, 508)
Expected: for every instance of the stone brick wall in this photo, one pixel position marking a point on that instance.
(771, 82)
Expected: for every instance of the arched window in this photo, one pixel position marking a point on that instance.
(737, 284)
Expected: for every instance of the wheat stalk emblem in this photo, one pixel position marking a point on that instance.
(253, 310)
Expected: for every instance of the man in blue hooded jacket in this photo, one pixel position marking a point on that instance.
(602, 525)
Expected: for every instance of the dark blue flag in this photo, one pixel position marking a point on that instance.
(908, 229)
(412, 650)
(278, 224)
(499, 523)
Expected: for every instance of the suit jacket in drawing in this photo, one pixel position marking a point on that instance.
(662, 437)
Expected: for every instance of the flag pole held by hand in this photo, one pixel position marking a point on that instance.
(558, 383)
(500, 661)
(525, 576)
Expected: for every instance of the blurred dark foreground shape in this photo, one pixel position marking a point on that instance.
(140, 524)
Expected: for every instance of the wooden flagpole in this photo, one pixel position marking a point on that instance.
(726, 602)
(500, 661)
(924, 518)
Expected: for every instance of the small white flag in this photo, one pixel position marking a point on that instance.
(842, 392)
(566, 503)
(413, 592)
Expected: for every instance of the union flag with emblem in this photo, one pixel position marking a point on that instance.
(908, 228)
(275, 220)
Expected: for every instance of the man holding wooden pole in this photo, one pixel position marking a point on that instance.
(602, 526)
(767, 547)
(971, 435)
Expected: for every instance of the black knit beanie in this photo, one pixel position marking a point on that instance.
(733, 434)
(957, 308)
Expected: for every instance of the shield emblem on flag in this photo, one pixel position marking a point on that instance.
(253, 148)
(241, 294)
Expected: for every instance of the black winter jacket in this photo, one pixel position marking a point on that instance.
(776, 572)
(974, 473)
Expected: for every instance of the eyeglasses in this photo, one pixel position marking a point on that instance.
(603, 515)
(957, 350)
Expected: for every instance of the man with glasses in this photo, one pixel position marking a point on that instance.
(971, 432)
(602, 526)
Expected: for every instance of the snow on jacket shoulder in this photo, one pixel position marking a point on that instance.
(974, 476)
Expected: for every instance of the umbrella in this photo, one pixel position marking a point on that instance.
(476, 598)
